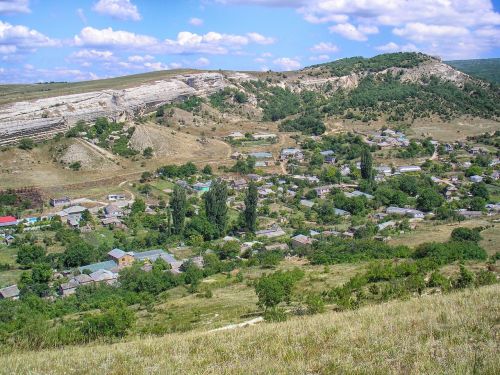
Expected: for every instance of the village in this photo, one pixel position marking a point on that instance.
(321, 192)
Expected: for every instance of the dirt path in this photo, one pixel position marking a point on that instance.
(247, 323)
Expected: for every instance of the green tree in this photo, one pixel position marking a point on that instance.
(138, 206)
(148, 152)
(76, 166)
(215, 206)
(250, 213)
(207, 169)
(465, 234)
(429, 199)
(26, 144)
(178, 206)
(79, 253)
(114, 321)
(277, 287)
(30, 254)
(366, 165)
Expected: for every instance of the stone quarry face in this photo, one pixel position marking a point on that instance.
(44, 118)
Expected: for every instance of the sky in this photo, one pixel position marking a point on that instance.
(75, 40)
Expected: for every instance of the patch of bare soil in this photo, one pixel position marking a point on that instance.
(89, 158)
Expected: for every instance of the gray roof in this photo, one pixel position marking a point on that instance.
(74, 210)
(83, 278)
(102, 275)
(9, 292)
(116, 253)
(152, 255)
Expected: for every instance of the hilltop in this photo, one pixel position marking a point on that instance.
(446, 334)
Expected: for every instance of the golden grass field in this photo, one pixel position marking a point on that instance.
(437, 334)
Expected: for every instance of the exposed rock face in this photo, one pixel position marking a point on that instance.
(44, 117)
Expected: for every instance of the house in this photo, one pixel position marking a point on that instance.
(236, 155)
(330, 159)
(416, 214)
(114, 221)
(321, 191)
(264, 192)
(254, 177)
(387, 224)
(58, 202)
(69, 288)
(409, 169)
(291, 153)
(239, 184)
(383, 169)
(7, 239)
(10, 292)
(300, 241)
(476, 178)
(273, 232)
(104, 276)
(151, 256)
(345, 170)
(112, 210)
(306, 203)
(116, 197)
(121, 258)
(8, 221)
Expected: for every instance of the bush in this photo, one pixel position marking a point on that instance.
(315, 304)
(465, 234)
(112, 322)
(275, 314)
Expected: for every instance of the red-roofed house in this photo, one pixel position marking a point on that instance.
(6, 221)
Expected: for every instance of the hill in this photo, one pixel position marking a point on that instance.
(487, 69)
(399, 87)
(446, 334)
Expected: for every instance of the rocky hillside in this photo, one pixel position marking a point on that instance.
(399, 87)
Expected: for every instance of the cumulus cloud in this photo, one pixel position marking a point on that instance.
(260, 39)
(86, 55)
(352, 32)
(20, 39)
(91, 37)
(119, 9)
(139, 59)
(421, 32)
(394, 47)
(14, 6)
(196, 21)
(325, 47)
(287, 63)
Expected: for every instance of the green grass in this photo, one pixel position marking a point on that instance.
(436, 334)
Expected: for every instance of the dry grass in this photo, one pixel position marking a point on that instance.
(451, 334)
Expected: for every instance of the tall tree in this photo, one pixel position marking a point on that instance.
(215, 206)
(366, 165)
(178, 207)
(250, 213)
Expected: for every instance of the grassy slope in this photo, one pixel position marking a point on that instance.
(451, 334)
(487, 69)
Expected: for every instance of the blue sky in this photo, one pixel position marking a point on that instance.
(63, 40)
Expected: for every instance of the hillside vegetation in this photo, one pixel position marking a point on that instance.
(487, 69)
(450, 334)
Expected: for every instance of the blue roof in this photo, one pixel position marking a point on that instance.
(108, 265)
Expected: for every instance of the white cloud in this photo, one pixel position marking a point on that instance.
(420, 32)
(139, 59)
(92, 55)
(260, 60)
(287, 63)
(352, 32)
(325, 47)
(196, 21)
(119, 9)
(92, 37)
(14, 6)
(19, 39)
(266, 54)
(393, 47)
(260, 39)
